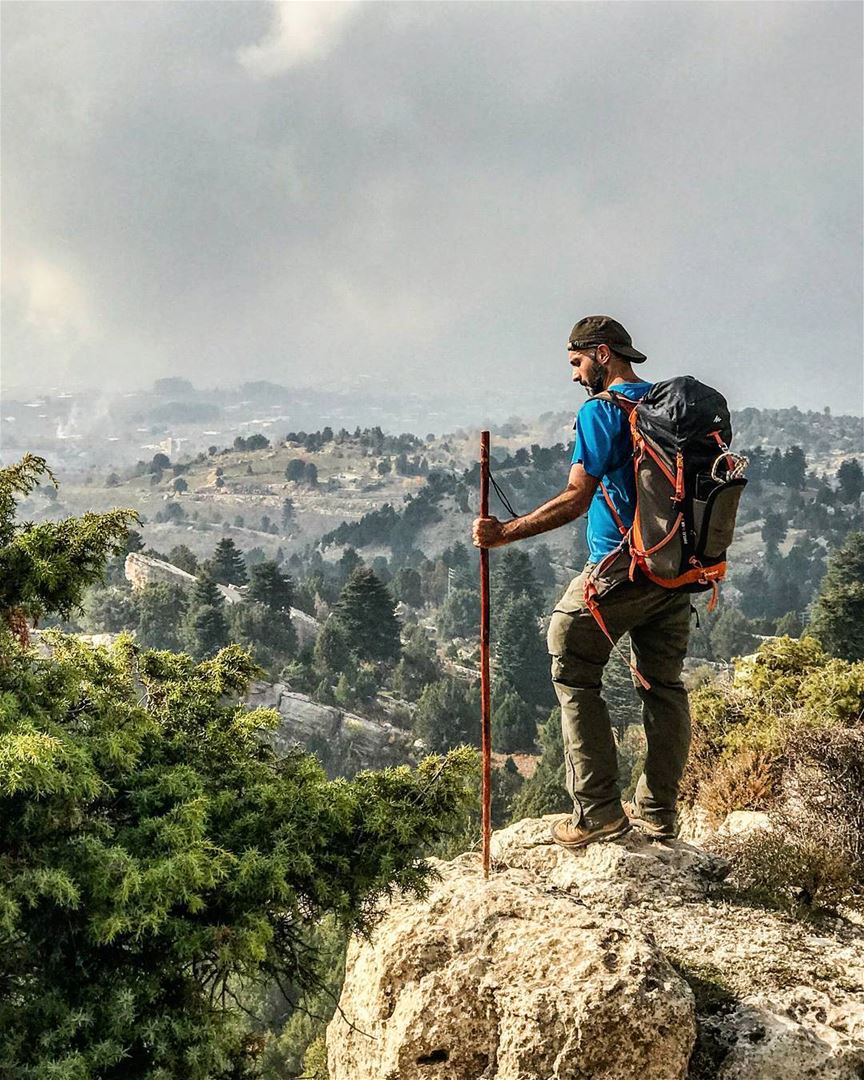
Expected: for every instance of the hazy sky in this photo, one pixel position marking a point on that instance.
(430, 194)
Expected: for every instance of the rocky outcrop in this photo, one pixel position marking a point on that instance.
(343, 741)
(601, 964)
(141, 570)
(144, 570)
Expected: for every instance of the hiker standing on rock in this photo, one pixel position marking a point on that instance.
(599, 607)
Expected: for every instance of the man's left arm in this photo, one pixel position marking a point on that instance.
(570, 504)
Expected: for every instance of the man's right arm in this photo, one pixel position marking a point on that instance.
(560, 510)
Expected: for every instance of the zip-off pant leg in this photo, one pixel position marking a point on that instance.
(579, 651)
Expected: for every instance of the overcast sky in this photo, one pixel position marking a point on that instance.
(430, 194)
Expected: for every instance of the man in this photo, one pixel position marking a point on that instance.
(601, 356)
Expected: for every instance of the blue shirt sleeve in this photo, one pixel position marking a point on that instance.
(598, 429)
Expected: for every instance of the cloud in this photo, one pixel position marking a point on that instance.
(437, 204)
(300, 32)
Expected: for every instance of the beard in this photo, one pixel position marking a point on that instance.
(596, 383)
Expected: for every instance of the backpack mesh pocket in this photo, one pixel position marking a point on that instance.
(714, 518)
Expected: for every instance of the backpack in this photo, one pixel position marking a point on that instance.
(688, 486)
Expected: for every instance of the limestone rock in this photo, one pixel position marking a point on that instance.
(344, 741)
(799, 1032)
(508, 978)
(742, 822)
(141, 570)
(512, 978)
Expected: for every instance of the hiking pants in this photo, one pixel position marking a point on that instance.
(658, 621)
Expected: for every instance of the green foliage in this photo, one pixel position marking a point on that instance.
(418, 667)
(732, 634)
(514, 724)
(512, 578)
(268, 635)
(108, 611)
(159, 859)
(227, 565)
(184, 558)
(448, 715)
(47, 567)
(546, 791)
(838, 614)
(742, 729)
(161, 608)
(366, 612)
(812, 855)
(850, 479)
(269, 586)
(520, 651)
(460, 615)
(206, 628)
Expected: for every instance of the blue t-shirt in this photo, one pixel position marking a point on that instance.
(605, 450)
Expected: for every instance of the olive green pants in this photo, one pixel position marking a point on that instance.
(658, 621)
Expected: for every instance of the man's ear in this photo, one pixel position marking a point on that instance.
(603, 354)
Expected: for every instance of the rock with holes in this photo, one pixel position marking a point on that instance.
(512, 978)
(801, 1033)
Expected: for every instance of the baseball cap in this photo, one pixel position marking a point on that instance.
(602, 330)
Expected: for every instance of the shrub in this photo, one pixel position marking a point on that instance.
(812, 857)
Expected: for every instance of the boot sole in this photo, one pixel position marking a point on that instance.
(599, 838)
(651, 831)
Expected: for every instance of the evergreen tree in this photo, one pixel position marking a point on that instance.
(850, 478)
(183, 558)
(418, 667)
(206, 630)
(408, 586)
(47, 567)
(227, 565)
(161, 610)
(108, 611)
(520, 651)
(268, 635)
(332, 649)
(448, 715)
(366, 611)
(794, 468)
(159, 858)
(269, 586)
(838, 613)
(512, 577)
(460, 615)
(546, 791)
(349, 562)
(514, 724)
(732, 635)
(774, 529)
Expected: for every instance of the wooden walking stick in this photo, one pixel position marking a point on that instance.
(485, 722)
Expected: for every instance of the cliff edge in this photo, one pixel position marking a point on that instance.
(626, 959)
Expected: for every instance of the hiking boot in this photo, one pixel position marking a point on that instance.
(655, 828)
(568, 835)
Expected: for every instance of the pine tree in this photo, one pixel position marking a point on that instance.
(206, 624)
(546, 791)
(448, 715)
(161, 609)
(520, 651)
(227, 565)
(512, 576)
(366, 611)
(269, 586)
(838, 613)
(514, 724)
(850, 478)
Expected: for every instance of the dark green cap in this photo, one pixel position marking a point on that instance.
(596, 330)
